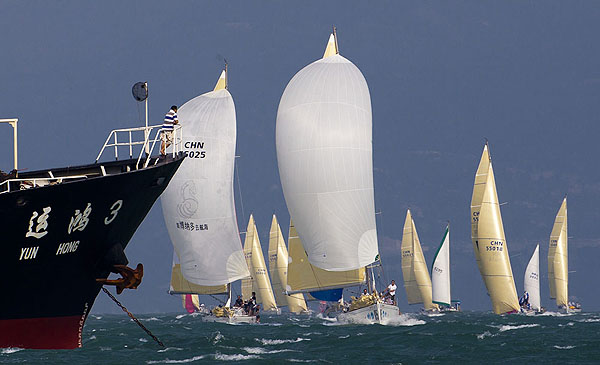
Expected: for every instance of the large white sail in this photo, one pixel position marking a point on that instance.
(324, 153)
(531, 281)
(260, 282)
(440, 272)
(198, 204)
(414, 269)
(489, 241)
(278, 268)
(558, 258)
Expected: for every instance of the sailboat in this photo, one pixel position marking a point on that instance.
(278, 269)
(440, 276)
(259, 281)
(324, 154)
(414, 269)
(489, 242)
(531, 283)
(558, 262)
(198, 205)
(303, 277)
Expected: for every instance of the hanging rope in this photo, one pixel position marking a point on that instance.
(133, 317)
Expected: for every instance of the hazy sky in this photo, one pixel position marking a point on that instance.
(443, 76)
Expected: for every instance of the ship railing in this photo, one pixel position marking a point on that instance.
(24, 184)
(144, 138)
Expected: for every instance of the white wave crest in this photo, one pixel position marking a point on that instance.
(179, 316)
(236, 357)
(260, 350)
(564, 347)
(299, 360)
(10, 350)
(407, 320)
(149, 319)
(168, 361)
(217, 337)
(508, 327)
(484, 335)
(266, 341)
(590, 320)
(170, 348)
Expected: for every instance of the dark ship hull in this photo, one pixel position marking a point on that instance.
(59, 238)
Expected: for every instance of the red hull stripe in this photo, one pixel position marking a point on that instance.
(42, 333)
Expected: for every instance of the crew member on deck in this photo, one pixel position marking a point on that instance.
(391, 290)
(239, 302)
(168, 126)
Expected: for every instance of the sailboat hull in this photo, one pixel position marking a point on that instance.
(49, 281)
(378, 313)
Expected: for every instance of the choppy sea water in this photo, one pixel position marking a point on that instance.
(471, 337)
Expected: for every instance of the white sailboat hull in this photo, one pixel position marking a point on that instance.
(378, 313)
(231, 320)
(238, 317)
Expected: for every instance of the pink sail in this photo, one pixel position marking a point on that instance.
(189, 304)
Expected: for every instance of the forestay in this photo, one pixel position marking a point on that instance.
(198, 204)
(324, 153)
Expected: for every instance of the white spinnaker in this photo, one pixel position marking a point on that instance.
(198, 204)
(440, 272)
(532, 279)
(324, 153)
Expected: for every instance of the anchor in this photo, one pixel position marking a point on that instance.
(130, 278)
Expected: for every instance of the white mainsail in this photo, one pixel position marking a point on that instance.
(198, 204)
(259, 282)
(324, 153)
(278, 268)
(489, 242)
(558, 258)
(531, 281)
(440, 272)
(414, 269)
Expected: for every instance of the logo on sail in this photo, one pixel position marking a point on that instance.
(189, 204)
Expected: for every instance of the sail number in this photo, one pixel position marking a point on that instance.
(495, 246)
(475, 217)
(194, 145)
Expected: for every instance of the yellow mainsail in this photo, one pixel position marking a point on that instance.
(414, 269)
(260, 282)
(304, 277)
(489, 242)
(558, 258)
(278, 267)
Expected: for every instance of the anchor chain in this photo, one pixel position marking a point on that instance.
(133, 317)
